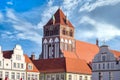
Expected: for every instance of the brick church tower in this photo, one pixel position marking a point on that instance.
(58, 36)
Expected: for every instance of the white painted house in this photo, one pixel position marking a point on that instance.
(14, 65)
(106, 64)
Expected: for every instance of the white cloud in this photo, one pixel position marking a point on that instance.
(47, 14)
(10, 14)
(103, 31)
(10, 3)
(25, 29)
(99, 3)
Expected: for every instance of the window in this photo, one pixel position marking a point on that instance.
(21, 65)
(36, 77)
(30, 66)
(7, 74)
(100, 76)
(62, 76)
(1, 74)
(33, 77)
(80, 77)
(23, 76)
(14, 65)
(13, 75)
(53, 77)
(42, 77)
(18, 76)
(108, 66)
(103, 66)
(70, 77)
(28, 76)
(99, 66)
(18, 57)
(57, 77)
(103, 58)
(110, 76)
(86, 78)
(48, 77)
(71, 33)
(112, 65)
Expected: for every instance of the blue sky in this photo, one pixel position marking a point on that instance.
(22, 21)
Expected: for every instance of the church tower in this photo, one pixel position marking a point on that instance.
(58, 36)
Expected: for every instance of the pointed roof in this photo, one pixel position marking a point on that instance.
(60, 18)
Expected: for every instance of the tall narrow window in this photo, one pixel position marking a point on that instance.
(1, 74)
(13, 75)
(100, 76)
(6, 74)
(110, 76)
(103, 66)
(80, 77)
(70, 77)
(62, 76)
(71, 33)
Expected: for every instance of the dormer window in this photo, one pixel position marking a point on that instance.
(30, 66)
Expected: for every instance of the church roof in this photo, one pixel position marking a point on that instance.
(62, 65)
(84, 50)
(59, 18)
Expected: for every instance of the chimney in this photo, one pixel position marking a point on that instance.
(97, 42)
(32, 56)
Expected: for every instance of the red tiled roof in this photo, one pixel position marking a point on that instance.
(86, 50)
(50, 65)
(59, 19)
(7, 54)
(28, 61)
(77, 66)
(62, 65)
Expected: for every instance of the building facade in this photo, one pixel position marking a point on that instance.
(62, 55)
(106, 64)
(14, 65)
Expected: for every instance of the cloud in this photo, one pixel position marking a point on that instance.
(99, 3)
(26, 30)
(10, 3)
(103, 30)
